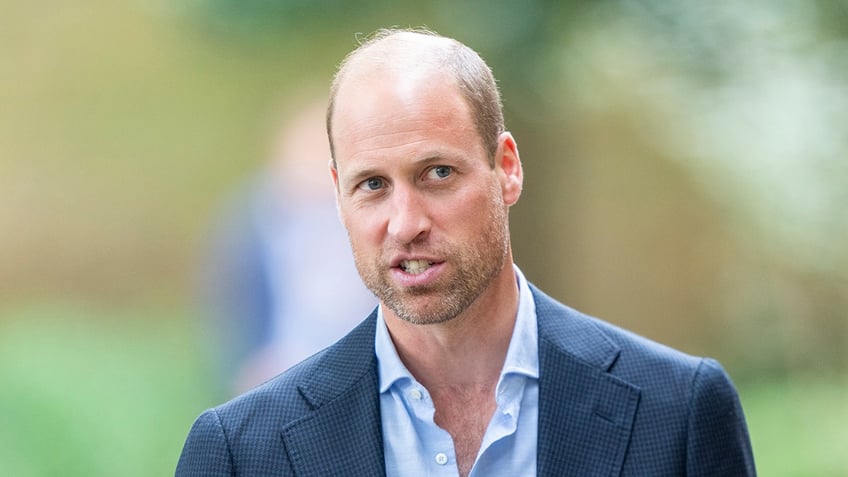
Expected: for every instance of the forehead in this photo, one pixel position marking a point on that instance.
(381, 107)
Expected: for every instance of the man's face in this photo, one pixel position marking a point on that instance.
(424, 210)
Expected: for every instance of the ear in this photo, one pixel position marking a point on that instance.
(334, 173)
(508, 166)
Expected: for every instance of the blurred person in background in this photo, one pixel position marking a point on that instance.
(277, 255)
(465, 368)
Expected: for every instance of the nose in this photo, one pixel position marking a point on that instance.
(408, 218)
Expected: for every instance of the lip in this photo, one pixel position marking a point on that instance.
(395, 263)
(424, 278)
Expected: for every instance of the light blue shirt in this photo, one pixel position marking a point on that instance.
(415, 445)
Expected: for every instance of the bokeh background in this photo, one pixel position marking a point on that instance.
(686, 177)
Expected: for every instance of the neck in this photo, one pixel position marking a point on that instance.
(468, 350)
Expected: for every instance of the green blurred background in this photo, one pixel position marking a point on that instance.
(686, 177)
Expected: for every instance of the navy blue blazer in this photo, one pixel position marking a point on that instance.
(611, 403)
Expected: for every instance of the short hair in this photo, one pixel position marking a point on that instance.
(472, 75)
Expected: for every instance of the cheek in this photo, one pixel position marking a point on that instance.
(472, 208)
(362, 229)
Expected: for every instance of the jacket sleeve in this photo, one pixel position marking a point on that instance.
(718, 442)
(206, 452)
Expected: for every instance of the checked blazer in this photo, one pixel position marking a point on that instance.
(611, 403)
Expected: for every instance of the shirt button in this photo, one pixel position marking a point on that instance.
(416, 394)
(441, 458)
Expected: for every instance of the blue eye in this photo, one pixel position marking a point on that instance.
(373, 183)
(441, 171)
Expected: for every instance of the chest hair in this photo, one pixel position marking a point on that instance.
(465, 412)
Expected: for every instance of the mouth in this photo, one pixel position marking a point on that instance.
(415, 267)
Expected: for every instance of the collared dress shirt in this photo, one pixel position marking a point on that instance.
(414, 445)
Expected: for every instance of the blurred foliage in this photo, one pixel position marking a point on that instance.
(797, 425)
(91, 392)
(685, 178)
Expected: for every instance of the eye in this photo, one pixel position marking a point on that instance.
(440, 172)
(372, 183)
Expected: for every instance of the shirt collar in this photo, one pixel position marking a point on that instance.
(389, 365)
(522, 356)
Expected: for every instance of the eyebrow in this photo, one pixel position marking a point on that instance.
(360, 175)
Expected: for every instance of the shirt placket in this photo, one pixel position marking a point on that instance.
(440, 457)
(505, 420)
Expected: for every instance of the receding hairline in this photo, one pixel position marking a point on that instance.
(391, 51)
(398, 50)
(405, 51)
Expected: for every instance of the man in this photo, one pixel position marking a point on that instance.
(465, 368)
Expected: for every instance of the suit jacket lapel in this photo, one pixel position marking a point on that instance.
(342, 435)
(585, 414)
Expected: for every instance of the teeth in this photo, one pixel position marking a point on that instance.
(414, 267)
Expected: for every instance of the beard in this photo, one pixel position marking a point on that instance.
(476, 264)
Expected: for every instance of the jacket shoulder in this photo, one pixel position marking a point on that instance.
(689, 418)
(597, 342)
(246, 433)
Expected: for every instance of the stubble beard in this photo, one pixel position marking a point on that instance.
(476, 265)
